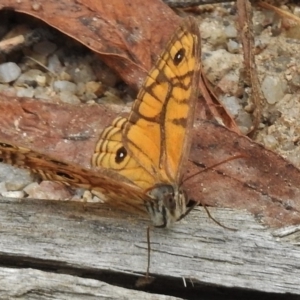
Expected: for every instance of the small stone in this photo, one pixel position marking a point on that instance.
(233, 46)
(54, 64)
(33, 77)
(273, 88)
(78, 194)
(9, 72)
(64, 86)
(296, 80)
(41, 80)
(218, 64)
(232, 104)
(69, 97)
(94, 87)
(48, 190)
(88, 96)
(25, 92)
(29, 189)
(65, 76)
(213, 32)
(15, 178)
(270, 141)
(97, 200)
(231, 31)
(244, 120)
(42, 93)
(261, 43)
(80, 89)
(110, 98)
(87, 196)
(229, 84)
(98, 195)
(13, 194)
(83, 73)
(288, 146)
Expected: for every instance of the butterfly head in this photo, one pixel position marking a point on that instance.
(168, 206)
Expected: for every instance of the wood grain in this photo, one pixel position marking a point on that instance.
(95, 242)
(35, 284)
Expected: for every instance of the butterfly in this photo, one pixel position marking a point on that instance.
(138, 161)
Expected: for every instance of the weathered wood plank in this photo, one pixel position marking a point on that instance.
(34, 284)
(62, 235)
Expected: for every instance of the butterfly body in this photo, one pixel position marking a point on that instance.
(170, 204)
(138, 161)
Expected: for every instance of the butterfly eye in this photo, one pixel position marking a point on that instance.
(121, 154)
(179, 56)
(169, 202)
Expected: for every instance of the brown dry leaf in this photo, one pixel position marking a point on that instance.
(128, 38)
(60, 130)
(263, 182)
(212, 109)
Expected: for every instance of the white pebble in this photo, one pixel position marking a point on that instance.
(54, 64)
(30, 188)
(270, 141)
(13, 194)
(80, 89)
(9, 72)
(244, 120)
(229, 84)
(69, 97)
(232, 104)
(213, 32)
(231, 31)
(31, 77)
(15, 178)
(42, 93)
(83, 73)
(97, 200)
(64, 86)
(233, 47)
(217, 65)
(273, 88)
(25, 92)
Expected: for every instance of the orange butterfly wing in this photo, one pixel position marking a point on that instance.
(104, 183)
(151, 146)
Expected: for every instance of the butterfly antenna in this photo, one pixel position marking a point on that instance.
(211, 167)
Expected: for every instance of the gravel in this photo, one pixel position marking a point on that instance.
(69, 73)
